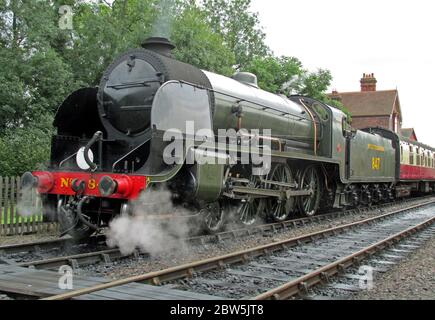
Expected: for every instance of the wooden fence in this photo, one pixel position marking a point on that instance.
(19, 213)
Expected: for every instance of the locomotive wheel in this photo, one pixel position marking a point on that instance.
(310, 179)
(386, 193)
(352, 197)
(214, 219)
(279, 209)
(251, 208)
(366, 196)
(376, 193)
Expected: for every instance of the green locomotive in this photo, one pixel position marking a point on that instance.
(111, 147)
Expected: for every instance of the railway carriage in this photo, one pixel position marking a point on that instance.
(417, 166)
(111, 147)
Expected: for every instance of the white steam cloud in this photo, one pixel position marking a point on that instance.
(154, 227)
(29, 202)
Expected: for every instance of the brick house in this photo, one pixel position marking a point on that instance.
(370, 107)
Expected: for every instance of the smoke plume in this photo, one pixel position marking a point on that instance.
(163, 24)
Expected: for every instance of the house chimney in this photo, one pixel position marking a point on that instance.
(368, 82)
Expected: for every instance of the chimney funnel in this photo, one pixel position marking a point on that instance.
(160, 45)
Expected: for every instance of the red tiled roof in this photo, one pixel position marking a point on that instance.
(408, 133)
(371, 103)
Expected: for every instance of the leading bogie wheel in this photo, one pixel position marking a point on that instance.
(214, 217)
(70, 224)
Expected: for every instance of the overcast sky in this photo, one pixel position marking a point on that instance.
(393, 39)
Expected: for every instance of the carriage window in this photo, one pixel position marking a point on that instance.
(411, 155)
(401, 154)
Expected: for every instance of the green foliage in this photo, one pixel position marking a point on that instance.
(278, 75)
(102, 32)
(286, 75)
(25, 148)
(198, 45)
(239, 27)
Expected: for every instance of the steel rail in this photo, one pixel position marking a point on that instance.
(303, 283)
(111, 254)
(188, 270)
(47, 244)
(74, 260)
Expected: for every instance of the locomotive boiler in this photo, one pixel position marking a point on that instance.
(110, 148)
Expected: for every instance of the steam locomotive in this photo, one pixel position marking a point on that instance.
(110, 149)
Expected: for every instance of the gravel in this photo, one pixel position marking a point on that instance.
(17, 239)
(411, 279)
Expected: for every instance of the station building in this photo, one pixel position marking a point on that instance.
(370, 107)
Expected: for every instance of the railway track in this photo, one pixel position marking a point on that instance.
(48, 245)
(289, 268)
(109, 255)
(364, 276)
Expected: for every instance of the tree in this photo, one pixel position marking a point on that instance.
(34, 78)
(239, 27)
(286, 75)
(25, 148)
(198, 45)
(277, 75)
(101, 32)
